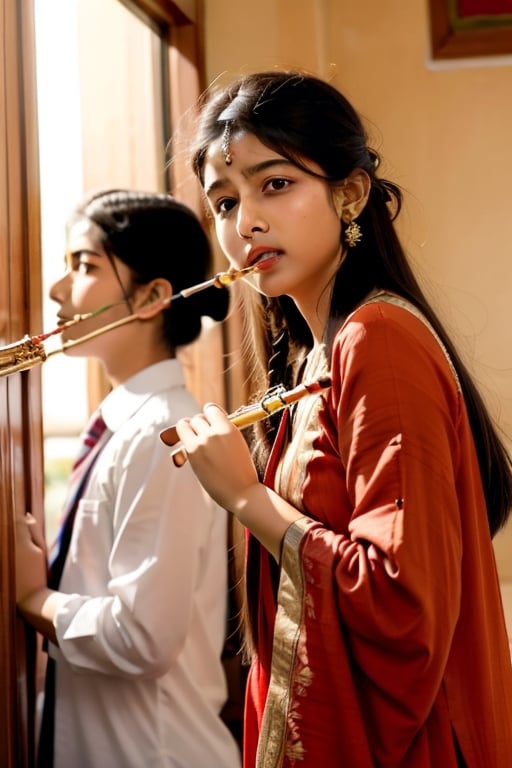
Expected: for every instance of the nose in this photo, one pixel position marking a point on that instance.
(249, 221)
(58, 289)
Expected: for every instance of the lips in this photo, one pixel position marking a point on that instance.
(260, 256)
(64, 320)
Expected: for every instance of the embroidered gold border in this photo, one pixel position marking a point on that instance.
(399, 301)
(272, 741)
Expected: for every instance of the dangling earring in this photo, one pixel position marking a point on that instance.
(353, 234)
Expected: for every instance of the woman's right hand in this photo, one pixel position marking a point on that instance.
(219, 456)
(221, 459)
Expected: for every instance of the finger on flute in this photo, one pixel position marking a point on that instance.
(250, 414)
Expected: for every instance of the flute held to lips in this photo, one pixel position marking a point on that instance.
(30, 350)
(273, 401)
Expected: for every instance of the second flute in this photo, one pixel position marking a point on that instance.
(30, 350)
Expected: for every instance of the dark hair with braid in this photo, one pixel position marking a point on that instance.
(305, 119)
(157, 236)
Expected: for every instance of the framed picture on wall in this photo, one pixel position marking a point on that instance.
(466, 28)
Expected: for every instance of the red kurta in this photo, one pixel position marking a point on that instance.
(388, 645)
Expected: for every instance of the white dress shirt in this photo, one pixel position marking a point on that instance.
(139, 682)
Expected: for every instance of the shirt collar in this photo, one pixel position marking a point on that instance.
(123, 401)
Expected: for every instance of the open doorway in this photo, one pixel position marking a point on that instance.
(103, 112)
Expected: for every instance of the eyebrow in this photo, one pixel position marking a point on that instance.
(248, 173)
(74, 254)
(89, 251)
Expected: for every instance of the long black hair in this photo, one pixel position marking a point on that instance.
(304, 118)
(157, 236)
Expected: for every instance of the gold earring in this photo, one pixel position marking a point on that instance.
(353, 234)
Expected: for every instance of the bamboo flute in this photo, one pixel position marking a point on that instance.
(273, 401)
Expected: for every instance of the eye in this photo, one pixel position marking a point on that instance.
(84, 267)
(82, 263)
(224, 205)
(276, 184)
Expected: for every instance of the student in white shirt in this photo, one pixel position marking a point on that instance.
(137, 625)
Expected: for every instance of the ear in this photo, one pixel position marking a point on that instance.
(151, 298)
(351, 197)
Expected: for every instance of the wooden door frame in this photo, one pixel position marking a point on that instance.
(21, 467)
(21, 434)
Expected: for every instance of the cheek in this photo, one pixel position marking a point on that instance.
(331, 224)
(84, 295)
(78, 290)
(228, 239)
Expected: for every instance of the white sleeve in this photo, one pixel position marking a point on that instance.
(135, 619)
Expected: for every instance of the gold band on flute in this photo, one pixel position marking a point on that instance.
(30, 351)
(274, 400)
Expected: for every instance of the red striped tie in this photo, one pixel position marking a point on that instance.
(89, 449)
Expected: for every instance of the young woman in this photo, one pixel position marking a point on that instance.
(374, 613)
(136, 622)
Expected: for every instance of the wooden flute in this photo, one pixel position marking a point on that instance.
(30, 350)
(276, 399)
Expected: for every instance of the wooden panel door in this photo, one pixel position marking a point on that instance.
(21, 474)
(21, 423)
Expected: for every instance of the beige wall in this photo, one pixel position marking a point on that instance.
(444, 131)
